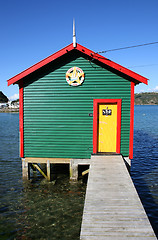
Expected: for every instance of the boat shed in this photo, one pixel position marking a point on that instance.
(74, 104)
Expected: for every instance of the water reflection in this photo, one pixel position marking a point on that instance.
(45, 210)
(36, 209)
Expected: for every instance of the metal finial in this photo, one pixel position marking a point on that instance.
(74, 34)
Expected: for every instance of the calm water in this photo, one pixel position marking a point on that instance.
(40, 210)
(144, 169)
(37, 210)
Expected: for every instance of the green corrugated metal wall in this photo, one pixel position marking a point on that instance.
(56, 115)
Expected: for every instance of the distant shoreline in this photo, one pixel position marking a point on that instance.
(13, 110)
(148, 98)
(145, 104)
(9, 110)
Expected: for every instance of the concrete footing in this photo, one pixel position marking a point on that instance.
(33, 162)
(46, 163)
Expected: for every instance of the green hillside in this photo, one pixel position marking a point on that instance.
(148, 98)
(3, 98)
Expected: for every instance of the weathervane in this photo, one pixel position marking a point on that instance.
(74, 34)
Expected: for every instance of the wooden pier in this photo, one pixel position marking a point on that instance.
(113, 210)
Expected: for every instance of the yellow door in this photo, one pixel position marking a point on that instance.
(107, 127)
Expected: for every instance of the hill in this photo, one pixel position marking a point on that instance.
(148, 98)
(3, 98)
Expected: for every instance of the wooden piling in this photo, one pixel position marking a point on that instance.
(25, 169)
(48, 170)
(73, 170)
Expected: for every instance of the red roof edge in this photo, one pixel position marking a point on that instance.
(84, 50)
(40, 64)
(113, 64)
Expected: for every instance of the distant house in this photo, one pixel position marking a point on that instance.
(3, 105)
(13, 104)
(73, 104)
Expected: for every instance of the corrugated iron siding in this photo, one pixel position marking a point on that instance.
(56, 115)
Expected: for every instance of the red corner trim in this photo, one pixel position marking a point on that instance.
(21, 122)
(131, 122)
(86, 51)
(96, 102)
(118, 141)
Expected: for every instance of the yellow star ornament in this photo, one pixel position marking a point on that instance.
(75, 76)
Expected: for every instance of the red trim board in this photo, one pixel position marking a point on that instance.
(95, 122)
(130, 74)
(131, 122)
(21, 122)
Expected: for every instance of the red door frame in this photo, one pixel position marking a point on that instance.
(96, 102)
(131, 122)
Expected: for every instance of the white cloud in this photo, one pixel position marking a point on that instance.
(147, 90)
(14, 97)
(141, 91)
(156, 89)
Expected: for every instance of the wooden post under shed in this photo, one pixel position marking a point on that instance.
(25, 169)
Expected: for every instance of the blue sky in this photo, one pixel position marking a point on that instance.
(34, 29)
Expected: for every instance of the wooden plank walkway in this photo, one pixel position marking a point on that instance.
(113, 210)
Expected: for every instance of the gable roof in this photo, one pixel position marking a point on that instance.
(128, 73)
